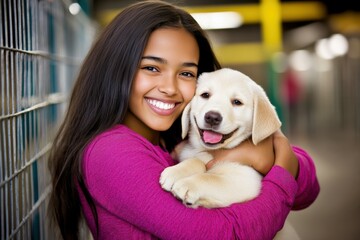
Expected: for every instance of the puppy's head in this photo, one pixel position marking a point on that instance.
(228, 107)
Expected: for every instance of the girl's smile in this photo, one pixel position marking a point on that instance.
(161, 107)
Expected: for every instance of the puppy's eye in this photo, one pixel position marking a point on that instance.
(237, 102)
(205, 95)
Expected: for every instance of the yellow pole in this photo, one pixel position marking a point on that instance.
(271, 25)
(270, 11)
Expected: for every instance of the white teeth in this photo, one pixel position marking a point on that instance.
(161, 105)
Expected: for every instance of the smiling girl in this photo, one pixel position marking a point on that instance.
(123, 123)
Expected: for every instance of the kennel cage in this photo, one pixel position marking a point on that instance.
(42, 45)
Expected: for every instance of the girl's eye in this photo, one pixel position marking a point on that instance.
(149, 68)
(188, 74)
(237, 102)
(205, 95)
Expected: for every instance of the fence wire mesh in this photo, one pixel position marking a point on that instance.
(41, 47)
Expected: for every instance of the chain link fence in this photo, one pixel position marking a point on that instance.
(42, 44)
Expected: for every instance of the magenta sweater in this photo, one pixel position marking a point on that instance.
(122, 170)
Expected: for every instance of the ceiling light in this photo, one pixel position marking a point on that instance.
(218, 20)
(74, 8)
(322, 49)
(338, 44)
(301, 60)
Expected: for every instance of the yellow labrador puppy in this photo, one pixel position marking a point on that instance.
(228, 107)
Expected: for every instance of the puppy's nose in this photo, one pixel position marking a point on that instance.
(213, 118)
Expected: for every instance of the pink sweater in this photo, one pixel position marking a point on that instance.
(122, 170)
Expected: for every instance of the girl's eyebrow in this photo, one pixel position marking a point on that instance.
(156, 59)
(163, 61)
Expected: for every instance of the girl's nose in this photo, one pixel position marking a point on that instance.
(168, 85)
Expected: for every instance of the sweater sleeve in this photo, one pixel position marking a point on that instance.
(123, 178)
(308, 185)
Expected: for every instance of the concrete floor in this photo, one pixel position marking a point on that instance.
(336, 212)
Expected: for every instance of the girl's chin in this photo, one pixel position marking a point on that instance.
(162, 125)
(162, 128)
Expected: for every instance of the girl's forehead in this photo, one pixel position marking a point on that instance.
(173, 44)
(164, 37)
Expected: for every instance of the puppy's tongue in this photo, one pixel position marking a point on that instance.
(211, 137)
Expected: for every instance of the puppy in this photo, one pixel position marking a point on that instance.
(228, 108)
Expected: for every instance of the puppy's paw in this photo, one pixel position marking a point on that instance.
(203, 190)
(182, 170)
(187, 191)
(169, 176)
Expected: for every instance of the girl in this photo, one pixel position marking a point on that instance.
(123, 123)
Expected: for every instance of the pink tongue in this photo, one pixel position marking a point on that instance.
(212, 137)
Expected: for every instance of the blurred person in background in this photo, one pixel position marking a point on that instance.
(291, 95)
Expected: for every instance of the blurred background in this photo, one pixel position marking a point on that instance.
(306, 55)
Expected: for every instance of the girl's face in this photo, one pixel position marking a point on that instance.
(164, 83)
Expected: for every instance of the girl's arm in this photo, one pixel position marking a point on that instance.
(301, 166)
(308, 184)
(122, 176)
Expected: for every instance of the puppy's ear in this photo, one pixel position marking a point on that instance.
(185, 120)
(265, 119)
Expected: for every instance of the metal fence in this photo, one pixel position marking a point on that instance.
(41, 46)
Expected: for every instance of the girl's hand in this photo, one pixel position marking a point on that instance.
(261, 157)
(178, 148)
(274, 150)
(284, 155)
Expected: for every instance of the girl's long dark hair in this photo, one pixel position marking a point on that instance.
(100, 99)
